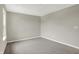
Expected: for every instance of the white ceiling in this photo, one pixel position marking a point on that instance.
(36, 9)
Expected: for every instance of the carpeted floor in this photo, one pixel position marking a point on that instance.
(39, 46)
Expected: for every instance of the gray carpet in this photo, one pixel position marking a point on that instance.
(39, 46)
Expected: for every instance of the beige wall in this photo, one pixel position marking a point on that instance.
(62, 26)
(20, 26)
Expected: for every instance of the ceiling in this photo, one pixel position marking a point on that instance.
(36, 9)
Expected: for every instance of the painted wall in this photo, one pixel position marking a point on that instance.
(62, 26)
(20, 26)
(2, 42)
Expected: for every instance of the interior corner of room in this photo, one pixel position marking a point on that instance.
(57, 23)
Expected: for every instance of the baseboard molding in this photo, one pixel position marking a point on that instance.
(22, 39)
(46, 37)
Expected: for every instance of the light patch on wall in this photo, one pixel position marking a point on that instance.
(75, 27)
(4, 25)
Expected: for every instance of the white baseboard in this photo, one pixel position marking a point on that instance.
(22, 39)
(46, 37)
